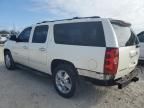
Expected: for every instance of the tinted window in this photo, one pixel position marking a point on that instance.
(40, 34)
(141, 37)
(24, 35)
(125, 36)
(83, 33)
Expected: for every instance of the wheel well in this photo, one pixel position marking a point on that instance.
(6, 50)
(56, 62)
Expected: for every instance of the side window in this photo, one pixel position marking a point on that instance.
(141, 37)
(24, 35)
(125, 35)
(81, 33)
(40, 34)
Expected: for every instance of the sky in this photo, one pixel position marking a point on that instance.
(17, 14)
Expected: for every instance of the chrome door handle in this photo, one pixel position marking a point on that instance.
(25, 47)
(42, 49)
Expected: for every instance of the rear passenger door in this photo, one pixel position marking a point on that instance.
(38, 48)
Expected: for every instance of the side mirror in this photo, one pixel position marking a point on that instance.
(13, 37)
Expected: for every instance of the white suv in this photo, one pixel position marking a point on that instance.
(103, 49)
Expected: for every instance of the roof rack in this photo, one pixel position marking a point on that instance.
(70, 19)
(86, 17)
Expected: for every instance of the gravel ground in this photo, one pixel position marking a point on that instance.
(23, 89)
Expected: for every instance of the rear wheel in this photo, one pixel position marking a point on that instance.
(65, 80)
(9, 63)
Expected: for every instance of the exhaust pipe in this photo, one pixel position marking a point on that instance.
(135, 79)
(122, 85)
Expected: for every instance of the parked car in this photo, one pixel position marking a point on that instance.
(3, 39)
(141, 39)
(102, 49)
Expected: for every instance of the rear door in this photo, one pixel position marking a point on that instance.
(141, 39)
(38, 48)
(128, 49)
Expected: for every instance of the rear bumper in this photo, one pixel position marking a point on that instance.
(99, 79)
(124, 81)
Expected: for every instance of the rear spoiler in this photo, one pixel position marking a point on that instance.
(120, 23)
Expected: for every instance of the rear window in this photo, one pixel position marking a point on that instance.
(125, 36)
(82, 33)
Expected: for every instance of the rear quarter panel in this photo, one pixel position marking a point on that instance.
(127, 60)
(88, 58)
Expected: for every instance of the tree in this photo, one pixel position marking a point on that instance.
(4, 32)
(13, 32)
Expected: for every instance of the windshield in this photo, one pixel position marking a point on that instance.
(125, 36)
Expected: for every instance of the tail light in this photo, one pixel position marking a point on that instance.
(111, 61)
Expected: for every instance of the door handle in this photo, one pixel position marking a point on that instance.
(25, 47)
(42, 49)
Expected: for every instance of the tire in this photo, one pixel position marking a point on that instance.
(9, 62)
(65, 80)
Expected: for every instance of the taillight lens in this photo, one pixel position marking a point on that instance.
(111, 61)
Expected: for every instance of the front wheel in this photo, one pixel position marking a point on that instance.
(65, 80)
(9, 63)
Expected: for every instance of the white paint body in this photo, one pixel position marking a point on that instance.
(89, 61)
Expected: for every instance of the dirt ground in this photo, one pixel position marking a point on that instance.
(24, 89)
